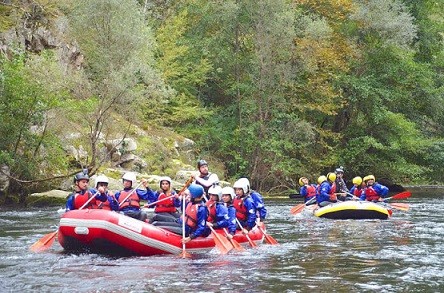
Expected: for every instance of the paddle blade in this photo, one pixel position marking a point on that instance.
(251, 242)
(268, 238)
(400, 206)
(236, 245)
(222, 244)
(297, 209)
(402, 195)
(185, 254)
(43, 243)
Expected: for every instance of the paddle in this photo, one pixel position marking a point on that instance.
(184, 253)
(179, 193)
(300, 207)
(129, 194)
(268, 238)
(46, 241)
(236, 245)
(252, 243)
(401, 195)
(222, 244)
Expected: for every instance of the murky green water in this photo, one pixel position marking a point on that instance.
(402, 254)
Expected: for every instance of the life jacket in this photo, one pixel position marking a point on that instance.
(371, 194)
(241, 209)
(132, 201)
(80, 199)
(191, 215)
(357, 192)
(311, 191)
(165, 206)
(104, 205)
(206, 177)
(333, 196)
(211, 205)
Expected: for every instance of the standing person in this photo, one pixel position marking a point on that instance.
(205, 178)
(261, 210)
(326, 190)
(373, 191)
(357, 187)
(341, 187)
(129, 198)
(228, 196)
(217, 211)
(110, 204)
(196, 214)
(82, 194)
(244, 205)
(308, 191)
(168, 202)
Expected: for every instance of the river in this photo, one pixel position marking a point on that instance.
(402, 254)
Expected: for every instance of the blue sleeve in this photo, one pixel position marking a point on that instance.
(324, 193)
(70, 203)
(221, 216)
(251, 212)
(232, 224)
(381, 190)
(303, 191)
(147, 195)
(117, 195)
(362, 197)
(259, 204)
(113, 203)
(99, 196)
(177, 201)
(202, 215)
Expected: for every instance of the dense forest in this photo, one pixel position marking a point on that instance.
(269, 89)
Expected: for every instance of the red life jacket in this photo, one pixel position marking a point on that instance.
(104, 205)
(357, 192)
(211, 205)
(371, 194)
(333, 196)
(241, 209)
(132, 201)
(311, 191)
(81, 199)
(191, 215)
(165, 206)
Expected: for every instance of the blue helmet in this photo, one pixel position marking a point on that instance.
(196, 190)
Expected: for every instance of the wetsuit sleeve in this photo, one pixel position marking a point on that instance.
(202, 216)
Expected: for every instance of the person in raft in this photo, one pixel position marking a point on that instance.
(308, 191)
(196, 214)
(244, 205)
(168, 202)
(261, 210)
(357, 187)
(110, 203)
(217, 211)
(205, 178)
(129, 198)
(341, 188)
(373, 191)
(325, 194)
(82, 194)
(228, 196)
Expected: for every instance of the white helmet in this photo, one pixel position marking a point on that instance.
(165, 178)
(243, 184)
(130, 176)
(229, 190)
(215, 189)
(101, 178)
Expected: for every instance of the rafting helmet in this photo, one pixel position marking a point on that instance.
(230, 191)
(339, 170)
(357, 180)
(242, 184)
(81, 176)
(195, 190)
(130, 176)
(165, 178)
(300, 181)
(331, 176)
(215, 190)
(101, 179)
(369, 177)
(321, 179)
(201, 163)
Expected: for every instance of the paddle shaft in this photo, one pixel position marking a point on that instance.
(89, 200)
(179, 193)
(252, 243)
(129, 194)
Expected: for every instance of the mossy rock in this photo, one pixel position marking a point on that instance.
(50, 198)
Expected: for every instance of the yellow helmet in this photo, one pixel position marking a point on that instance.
(321, 179)
(357, 180)
(369, 177)
(331, 176)
(300, 181)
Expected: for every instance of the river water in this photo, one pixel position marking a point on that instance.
(402, 254)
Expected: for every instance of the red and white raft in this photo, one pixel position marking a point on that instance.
(107, 232)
